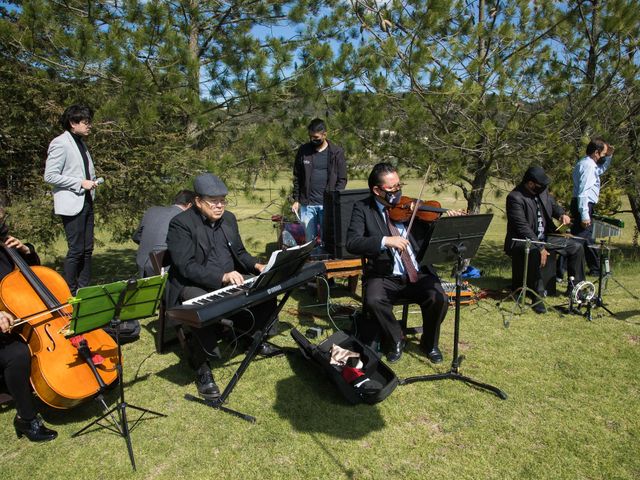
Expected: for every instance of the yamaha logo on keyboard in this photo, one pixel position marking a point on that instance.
(271, 290)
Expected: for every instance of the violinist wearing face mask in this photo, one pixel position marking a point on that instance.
(586, 190)
(319, 167)
(392, 273)
(530, 213)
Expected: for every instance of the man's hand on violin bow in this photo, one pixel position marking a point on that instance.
(397, 242)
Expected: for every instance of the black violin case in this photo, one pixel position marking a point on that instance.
(375, 385)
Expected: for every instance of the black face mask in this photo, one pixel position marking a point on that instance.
(316, 142)
(538, 189)
(392, 198)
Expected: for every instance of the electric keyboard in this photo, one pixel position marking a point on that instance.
(220, 293)
(213, 306)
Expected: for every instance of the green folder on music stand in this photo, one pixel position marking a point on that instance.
(95, 306)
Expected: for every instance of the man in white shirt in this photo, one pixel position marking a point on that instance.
(586, 191)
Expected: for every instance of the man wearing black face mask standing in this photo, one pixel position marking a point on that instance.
(530, 213)
(391, 273)
(319, 167)
(586, 190)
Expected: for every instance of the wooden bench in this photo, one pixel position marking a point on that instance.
(350, 268)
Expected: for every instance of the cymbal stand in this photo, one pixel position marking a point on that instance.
(605, 274)
(520, 294)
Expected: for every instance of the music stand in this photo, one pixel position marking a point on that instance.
(97, 306)
(283, 265)
(456, 238)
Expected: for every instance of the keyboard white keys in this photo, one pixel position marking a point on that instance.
(220, 293)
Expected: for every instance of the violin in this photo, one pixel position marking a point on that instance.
(428, 211)
(64, 372)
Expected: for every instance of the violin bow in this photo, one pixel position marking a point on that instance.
(415, 207)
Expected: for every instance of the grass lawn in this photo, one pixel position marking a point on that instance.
(573, 410)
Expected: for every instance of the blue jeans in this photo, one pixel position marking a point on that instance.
(312, 217)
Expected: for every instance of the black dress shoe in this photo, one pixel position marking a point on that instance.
(267, 350)
(433, 354)
(207, 387)
(539, 308)
(34, 429)
(396, 351)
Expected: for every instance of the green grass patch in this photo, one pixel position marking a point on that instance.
(573, 410)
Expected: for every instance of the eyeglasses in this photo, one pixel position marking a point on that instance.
(215, 203)
(393, 189)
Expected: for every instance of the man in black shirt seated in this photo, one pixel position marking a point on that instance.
(207, 254)
(530, 213)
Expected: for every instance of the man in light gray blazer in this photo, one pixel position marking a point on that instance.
(69, 169)
(151, 234)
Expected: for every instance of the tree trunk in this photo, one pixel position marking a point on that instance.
(479, 183)
(634, 201)
(194, 65)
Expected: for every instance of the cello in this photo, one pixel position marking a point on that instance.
(64, 372)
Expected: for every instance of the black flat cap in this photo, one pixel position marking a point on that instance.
(208, 185)
(536, 173)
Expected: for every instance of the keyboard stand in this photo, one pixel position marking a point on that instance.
(259, 336)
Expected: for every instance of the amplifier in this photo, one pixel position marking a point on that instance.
(337, 209)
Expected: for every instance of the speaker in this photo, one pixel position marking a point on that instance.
(337, 208)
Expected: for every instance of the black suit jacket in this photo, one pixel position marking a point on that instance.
(364, 236)
(522, 217)
(189, 246)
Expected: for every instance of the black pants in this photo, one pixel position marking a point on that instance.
(590, 254)
(15, 364)
(79, 231)
(204, 340)
(381, 293)
(572, 250)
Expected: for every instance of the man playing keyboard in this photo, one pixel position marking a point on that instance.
(207, 254)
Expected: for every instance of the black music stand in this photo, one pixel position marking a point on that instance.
(283, 265)
(94, 307)
(456, 238)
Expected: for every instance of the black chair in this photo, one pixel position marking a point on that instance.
(160, 259)
(406, 330)
(404, 320)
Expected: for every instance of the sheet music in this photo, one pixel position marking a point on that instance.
(274, 255)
